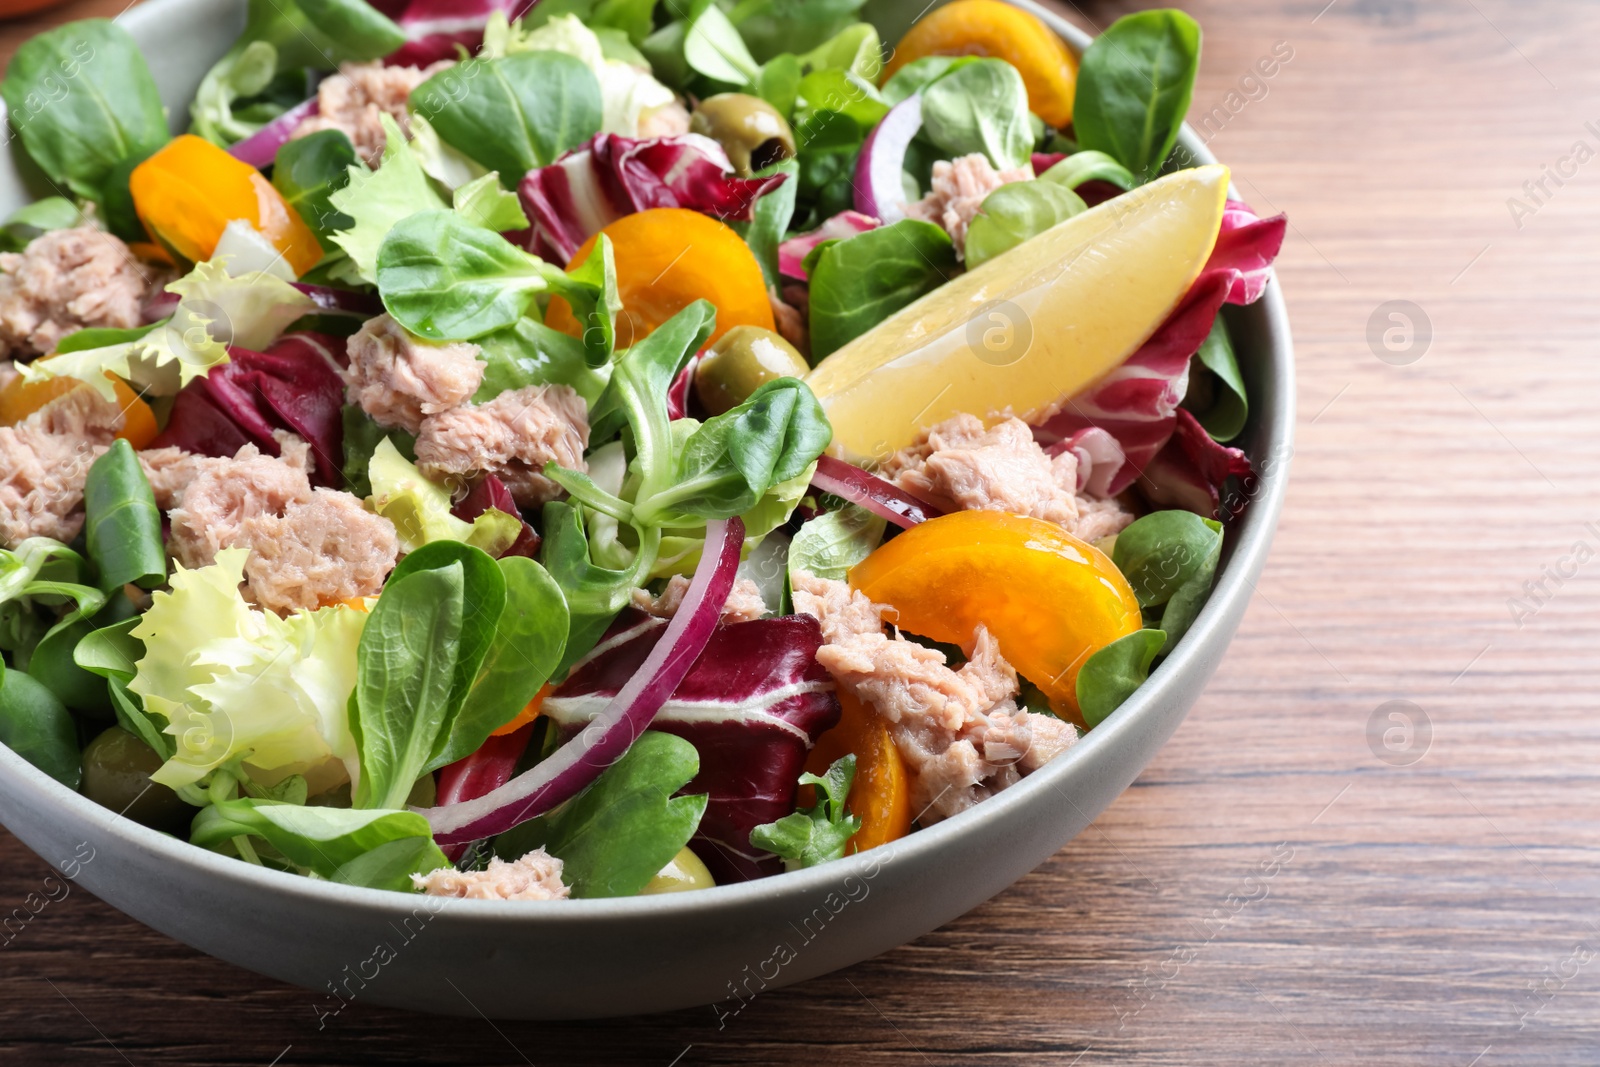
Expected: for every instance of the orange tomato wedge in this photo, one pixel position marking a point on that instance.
(21, 398)
(881, 793)
(1049, 599)
(667, 258)
(527, 714)
(991, 28)
(188, 192)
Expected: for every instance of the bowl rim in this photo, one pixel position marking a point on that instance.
(1253, 532)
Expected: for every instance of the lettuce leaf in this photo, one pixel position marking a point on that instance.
(420, 508)
(378, 199)
(215, 310)
(234, 682)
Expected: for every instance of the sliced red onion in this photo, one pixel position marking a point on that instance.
(580, 761)
(871, 492)
(483, 772)
(342, 301)
(261, 147)
(879, 185)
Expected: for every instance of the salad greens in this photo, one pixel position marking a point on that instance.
(809, 836)
(1134, 87)
(859, 282)
(82, 100)
(614, 836)
(502, 625)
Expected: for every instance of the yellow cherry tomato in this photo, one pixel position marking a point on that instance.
(880, 796)
(990, 28)
(188, 192)
(1050, 600)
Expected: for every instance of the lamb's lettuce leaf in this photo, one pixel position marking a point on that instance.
(859, 282)
(1134, 87)
(614, 836)
(1113, 672)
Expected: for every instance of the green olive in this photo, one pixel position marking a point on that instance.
(685, 872)
(742, 361)
(753, 132)
(116, 774)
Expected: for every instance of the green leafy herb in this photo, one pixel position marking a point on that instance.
(83, 101)
(1134, 87)
(833, 542)
(1170, 558)
(41, 216)
(1015, 212)
(619, 832)
(809, 836)
(1224, 411)
(123, 524)
(1111, 675)
(980, 107)
(308, 171)
(372, 848)
(513, 113)
(857, 283)
(36, 577)
(37, 726)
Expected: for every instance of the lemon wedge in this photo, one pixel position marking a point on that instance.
(1029, 328)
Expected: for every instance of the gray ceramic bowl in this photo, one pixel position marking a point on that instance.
(575, 959)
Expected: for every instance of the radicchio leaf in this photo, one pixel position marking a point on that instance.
(753, 704)
(491, 492)
(294, 385)
(579, 194)
(1189, 471)
(435, 28)
(1137, 404)
(793, 252)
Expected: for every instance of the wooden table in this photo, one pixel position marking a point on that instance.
(1271, 890)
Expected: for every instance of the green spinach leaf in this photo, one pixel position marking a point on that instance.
(1089, 166)
(82, 99)
(308, 171)
(619, 832)
(1134, 88)
(1111, 675)
(1015, 212)
(1170, 558)
(406, 666)
(1224, 413)
(857, 283)
(523, 653)
(980, 107)
(514, 113)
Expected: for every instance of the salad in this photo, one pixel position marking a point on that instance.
(602, 448)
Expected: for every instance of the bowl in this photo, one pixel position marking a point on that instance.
(717, 947)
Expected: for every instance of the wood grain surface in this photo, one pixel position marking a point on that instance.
(1296, 878)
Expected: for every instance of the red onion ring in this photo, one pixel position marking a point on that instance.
(871, 492)
(581, 760)
(261, 147)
